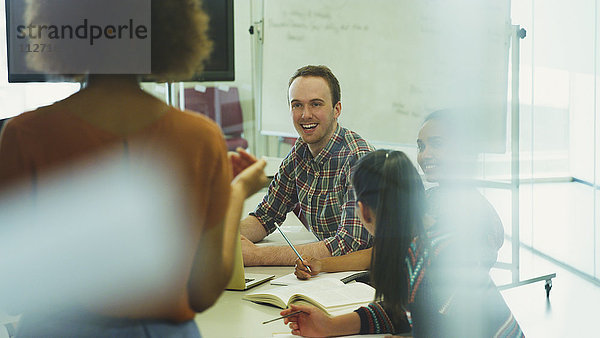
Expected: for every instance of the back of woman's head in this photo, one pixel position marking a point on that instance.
(389, 184)
(178, 32)
(180, 43)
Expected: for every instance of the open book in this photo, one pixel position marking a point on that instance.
(329, 294)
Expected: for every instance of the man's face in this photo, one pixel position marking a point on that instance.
(432, 149)
(442, 153)
(313, 114)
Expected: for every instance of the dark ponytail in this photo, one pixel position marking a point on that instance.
(389, 184)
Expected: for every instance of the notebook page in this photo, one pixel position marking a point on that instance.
(353, 293)
(286, 292)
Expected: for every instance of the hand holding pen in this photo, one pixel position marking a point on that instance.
(302, 267)
(312, 322)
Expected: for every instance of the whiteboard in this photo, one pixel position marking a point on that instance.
(396, 62)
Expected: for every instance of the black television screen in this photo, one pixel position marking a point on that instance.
(220, 66)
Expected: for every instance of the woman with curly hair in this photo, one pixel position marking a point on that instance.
(113, 113)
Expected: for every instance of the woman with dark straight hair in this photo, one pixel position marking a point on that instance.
(389, 193)
(388, 189)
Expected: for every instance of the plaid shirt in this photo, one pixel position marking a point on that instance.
(322, 187)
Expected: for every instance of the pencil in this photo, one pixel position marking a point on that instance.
(290, 243)
(278, 318)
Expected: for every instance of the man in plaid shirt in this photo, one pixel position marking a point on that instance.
(315, 175)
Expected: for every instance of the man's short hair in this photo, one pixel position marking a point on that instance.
(325, 73)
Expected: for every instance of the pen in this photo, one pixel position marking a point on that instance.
(288, 315)
(290, 243)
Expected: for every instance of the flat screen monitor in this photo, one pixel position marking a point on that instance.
(220, 66)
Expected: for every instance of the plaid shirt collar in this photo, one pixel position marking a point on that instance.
(332, 146)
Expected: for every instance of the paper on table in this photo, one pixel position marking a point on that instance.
(291, 279)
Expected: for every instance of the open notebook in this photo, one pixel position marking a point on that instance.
(241, 280)
(329, 294)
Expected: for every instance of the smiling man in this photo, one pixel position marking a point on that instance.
(314, 175)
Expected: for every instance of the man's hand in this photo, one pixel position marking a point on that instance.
(313, 263)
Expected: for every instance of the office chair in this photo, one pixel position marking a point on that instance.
(224, 108)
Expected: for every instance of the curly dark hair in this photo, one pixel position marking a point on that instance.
(180, 43)
(179, 40)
